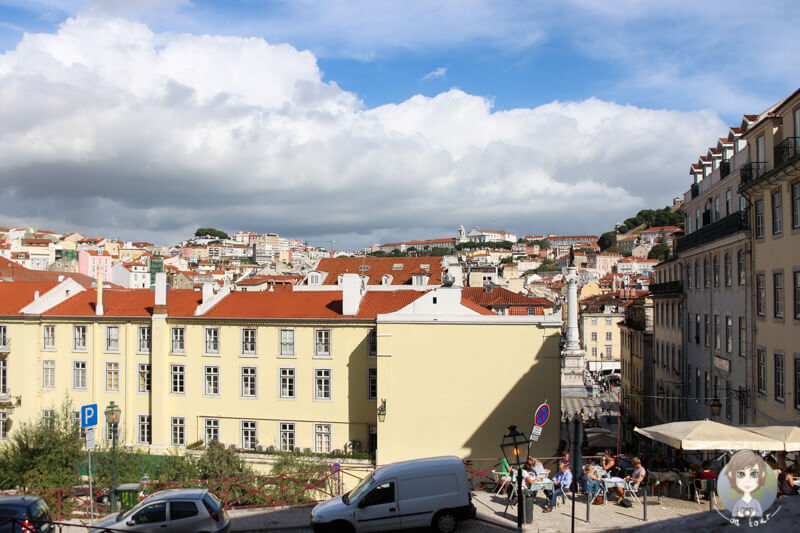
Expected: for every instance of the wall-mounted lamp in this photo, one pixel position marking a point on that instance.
(382, 410)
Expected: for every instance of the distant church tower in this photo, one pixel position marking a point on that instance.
(462, 234)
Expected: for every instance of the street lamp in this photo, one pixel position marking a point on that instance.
(382, 410)
(515, 447)
(112, 413)
(716, 407)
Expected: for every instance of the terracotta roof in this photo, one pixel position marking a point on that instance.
(663, 228)
(14, 296)
(17, 272)
(500, 297)
(517, 311)
(379, 266)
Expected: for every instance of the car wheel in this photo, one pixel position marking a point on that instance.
(444, 522)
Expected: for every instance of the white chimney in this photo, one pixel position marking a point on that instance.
(353, 290)
(35, 295)
(98, 310)
(161, 288)
(208, 291)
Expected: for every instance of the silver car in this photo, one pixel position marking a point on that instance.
(172, 511)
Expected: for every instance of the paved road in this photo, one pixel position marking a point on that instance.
(468, 526)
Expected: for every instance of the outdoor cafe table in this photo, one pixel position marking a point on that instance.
(541, 483)
(611, 482)
(656, 478)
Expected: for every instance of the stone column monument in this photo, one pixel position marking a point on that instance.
(572, 356)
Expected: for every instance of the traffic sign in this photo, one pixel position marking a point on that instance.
(542, 414)
(336, 467)
(90, 444)
(89, 415)
(536, 432)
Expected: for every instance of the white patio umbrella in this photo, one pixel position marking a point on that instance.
(709, 435)
(789, 435)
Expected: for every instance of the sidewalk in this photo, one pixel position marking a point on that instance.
(602, 517)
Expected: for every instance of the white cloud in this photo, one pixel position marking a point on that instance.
(435, 74)
(108, 126)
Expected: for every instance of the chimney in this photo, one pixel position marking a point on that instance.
(98, 310)
(160, 306)
(353, 289)
(208, 291)
(35, 295)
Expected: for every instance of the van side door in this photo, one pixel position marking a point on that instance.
(378, 509)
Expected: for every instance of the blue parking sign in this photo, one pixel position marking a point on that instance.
(89, 415)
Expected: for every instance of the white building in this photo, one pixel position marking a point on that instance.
(490, 235)
(131, 275)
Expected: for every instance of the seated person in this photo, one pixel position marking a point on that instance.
(561, 484)
(633, 480)
(705, 473)
(607, 462)
(786, 484)
(594, 483)
(564, 457)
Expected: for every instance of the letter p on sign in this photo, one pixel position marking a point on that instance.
(89, 415)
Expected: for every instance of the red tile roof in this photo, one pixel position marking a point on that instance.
(379, 266)
(500, 297)
(17, 272)
(14, 296)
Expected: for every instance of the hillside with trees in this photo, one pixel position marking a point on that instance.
(646, 218)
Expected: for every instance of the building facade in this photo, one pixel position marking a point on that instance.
(636, 334)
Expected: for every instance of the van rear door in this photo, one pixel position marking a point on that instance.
(378, 509)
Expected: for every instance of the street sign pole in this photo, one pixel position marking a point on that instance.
(91, 492)
(88, 422)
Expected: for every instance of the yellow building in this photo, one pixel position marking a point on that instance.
(771, 185)
(292, 370)
(637, 367)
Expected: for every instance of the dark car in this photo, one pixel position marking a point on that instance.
(25, 514)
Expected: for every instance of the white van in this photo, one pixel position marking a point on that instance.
(420, 493)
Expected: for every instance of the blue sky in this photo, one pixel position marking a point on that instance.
(703, 63)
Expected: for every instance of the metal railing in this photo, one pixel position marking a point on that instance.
(786, 150)
(667, 288)
(728, 225)
(752, 171)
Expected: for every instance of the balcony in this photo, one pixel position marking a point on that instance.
(721, 228)
(751, 172)
(786, 151)
(669, 289)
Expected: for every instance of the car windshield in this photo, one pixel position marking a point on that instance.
(360, 489)
(124, 515)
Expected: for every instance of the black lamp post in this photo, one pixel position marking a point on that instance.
(382, 411)
(716, 407)
(112, 413)
(515, 446)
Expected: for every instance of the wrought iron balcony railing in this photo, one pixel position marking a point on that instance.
(786, 150)
(721, 228)
(752, 171)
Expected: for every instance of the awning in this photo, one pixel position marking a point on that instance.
(789, 435)
(709, 435)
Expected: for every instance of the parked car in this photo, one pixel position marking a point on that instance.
(431, 492)
(24, 513)
(174, 510)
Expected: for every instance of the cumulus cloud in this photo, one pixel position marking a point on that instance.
(435, 74)
(108, 126)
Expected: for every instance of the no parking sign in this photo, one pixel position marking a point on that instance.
(539, 419)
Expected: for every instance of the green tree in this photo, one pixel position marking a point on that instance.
(211, 232)
(606, 240)
(219, 462)
(660, 251)
(43, 453)
(132, 466)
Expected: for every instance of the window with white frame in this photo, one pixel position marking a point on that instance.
(287, 383)
(796, 201)
(178, 430)
(609, 351)
(777, 294)
(372, 383)
(742, 336)
(322, 438)
(248, 381)
(49, 417)
(144, 377)
(79, 338)
(249, 435)
(322, 384)
(594, 351)
(212, 381)
(48, 374)
(287, 342)
(144, 339)
(608, 335)
(3, 336)
(761, 376)
(3, 425)
(210, 430)
(594, 336)
(112, 338)
(594, 321)
(178, 340)
(249, 341)
(177, 379)
(3, 376)
(145, 430)
(212, 340)
(779, 377)
(777, 212)
(49, 337)
(759, 216)
(112, 376)
(287, 436)
(761, 295)
(79, 375)
(372, 342)
(323, 344)
(608, 321)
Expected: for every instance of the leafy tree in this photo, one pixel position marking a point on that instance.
(606, 240)
(220, 462)
(43, 453)
(620, 251)
(660, 251)
(377, 253)
(506, 260)
(211, 232)
(132, 466)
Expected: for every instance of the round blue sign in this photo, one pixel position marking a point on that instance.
(542, 414)
(336, 467)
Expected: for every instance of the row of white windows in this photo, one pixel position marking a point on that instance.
(322, 340)
(609, 353)
(594, 321)
(287, 379)
(609, 336)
